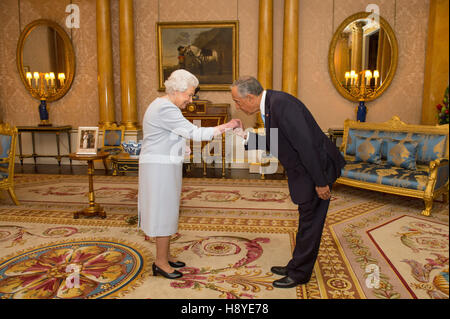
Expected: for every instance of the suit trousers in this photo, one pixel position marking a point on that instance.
(312, 216)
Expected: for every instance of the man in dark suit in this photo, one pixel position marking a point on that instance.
(312, 163)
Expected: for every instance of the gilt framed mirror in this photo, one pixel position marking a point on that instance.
(363, 57)
(45, 60)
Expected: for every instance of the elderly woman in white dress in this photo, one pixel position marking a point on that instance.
(160, 165)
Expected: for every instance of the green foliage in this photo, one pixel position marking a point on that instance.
(443, 109)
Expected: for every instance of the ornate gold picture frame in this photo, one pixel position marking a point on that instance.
(209, 50)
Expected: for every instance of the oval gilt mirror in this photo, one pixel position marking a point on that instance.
(45, 60)
(362, 57)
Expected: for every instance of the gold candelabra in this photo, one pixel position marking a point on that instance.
(44, 85)
(364, 86)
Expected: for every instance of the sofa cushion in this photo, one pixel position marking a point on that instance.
(402, 153)
(431, 146)
(386, 175)
(351, 139)
(368, 149)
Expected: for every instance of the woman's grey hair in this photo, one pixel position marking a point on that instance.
(248, 85)
(179, 81)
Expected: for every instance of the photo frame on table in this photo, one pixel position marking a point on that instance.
(209, 50)
(87, 140)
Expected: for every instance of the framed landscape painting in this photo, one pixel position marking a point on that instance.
(209, 50)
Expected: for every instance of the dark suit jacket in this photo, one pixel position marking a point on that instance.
(307, 154)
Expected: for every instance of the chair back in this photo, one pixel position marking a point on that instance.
(113, 136)
(8, 138)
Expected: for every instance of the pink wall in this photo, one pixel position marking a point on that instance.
(317, 22)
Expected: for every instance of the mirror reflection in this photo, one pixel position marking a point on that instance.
(363, 57)
(363, 54)
(44, 52)
(45, 60)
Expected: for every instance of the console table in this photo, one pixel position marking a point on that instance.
(122, 163)
(334, 134)
(207, 114)
(57, 130)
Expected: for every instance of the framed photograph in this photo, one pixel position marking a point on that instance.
(87, 140)
(209, 50)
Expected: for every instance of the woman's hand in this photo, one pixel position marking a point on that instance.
(234, 123)
(187, 151)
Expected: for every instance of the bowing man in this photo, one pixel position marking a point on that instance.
(312, 163)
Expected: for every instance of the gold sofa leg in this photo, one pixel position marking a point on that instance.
(428, 206)
(13, 196)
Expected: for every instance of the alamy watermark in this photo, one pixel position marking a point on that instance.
(373, 276)
(73, 280)
(73, 19)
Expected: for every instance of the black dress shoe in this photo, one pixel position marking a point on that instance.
(177, 264)
(279, 270)
(287, 282)
(158, 271)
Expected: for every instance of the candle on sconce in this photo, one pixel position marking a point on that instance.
(356, 79)
(29, 78)
(52, 78)
(352, 76)
(61, 78)
(376, 75)
(368, 77)
(347, 76)
(47, 77)
(36, 78)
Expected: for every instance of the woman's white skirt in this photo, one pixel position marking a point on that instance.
(159, 198)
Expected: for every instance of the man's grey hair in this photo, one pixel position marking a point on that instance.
(179, 81)
(248, 85)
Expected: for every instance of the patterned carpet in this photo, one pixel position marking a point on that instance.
(374, 245)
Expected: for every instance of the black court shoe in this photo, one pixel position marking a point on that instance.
(158, 271)
(177, 264)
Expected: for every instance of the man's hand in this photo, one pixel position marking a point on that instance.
(234, 123)
(323, 192)
(239, 132)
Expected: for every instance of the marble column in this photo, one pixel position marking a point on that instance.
(127, 65)
(105, 64)
(357, 45)
(265, 49)
(437, 60)
(290, 47)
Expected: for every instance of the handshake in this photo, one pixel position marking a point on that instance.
(235, 125)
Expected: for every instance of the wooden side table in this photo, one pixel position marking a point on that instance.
(93, 209)
(207, 114)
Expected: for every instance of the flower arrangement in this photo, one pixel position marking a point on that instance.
(443, 109)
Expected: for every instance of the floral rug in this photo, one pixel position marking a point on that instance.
(231, 232)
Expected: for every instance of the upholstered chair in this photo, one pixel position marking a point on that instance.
(113, 136)
(8, 139)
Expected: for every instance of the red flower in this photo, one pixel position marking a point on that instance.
(439, 107)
